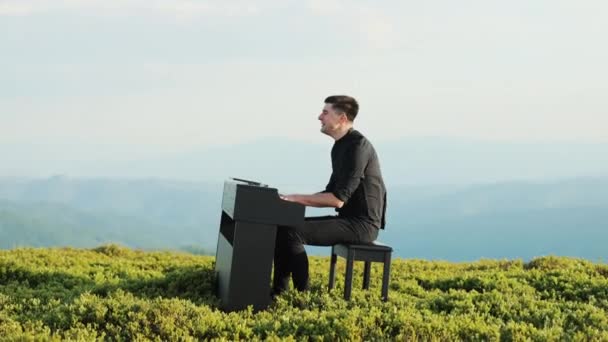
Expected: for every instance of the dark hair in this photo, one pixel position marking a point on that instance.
(346, 104)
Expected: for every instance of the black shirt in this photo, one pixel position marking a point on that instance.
(356, 179)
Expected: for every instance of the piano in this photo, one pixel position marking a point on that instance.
(251, 212)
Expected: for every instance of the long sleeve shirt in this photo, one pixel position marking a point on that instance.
(357, 181)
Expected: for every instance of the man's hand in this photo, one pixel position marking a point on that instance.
(286, 197)
(289, 198)
(319, 200)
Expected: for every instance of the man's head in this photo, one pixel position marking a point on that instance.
(344, 104)
(338, 115)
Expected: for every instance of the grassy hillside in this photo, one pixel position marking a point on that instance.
(120, 294)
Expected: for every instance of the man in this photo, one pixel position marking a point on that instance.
(355, 189)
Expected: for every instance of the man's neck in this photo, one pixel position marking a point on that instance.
(342, 132)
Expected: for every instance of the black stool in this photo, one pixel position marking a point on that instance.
(373, 252)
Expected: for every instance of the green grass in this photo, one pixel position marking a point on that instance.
(114, 293)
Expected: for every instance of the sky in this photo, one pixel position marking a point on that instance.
(132, 77)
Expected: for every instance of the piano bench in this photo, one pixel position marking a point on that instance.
(373, 252)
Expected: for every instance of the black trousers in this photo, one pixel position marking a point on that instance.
(290, 257)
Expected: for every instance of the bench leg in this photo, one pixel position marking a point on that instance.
(366, 274)
(386, 276)
(332, 269)
(348, 281)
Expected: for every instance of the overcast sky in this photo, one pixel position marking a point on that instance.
(182, 74)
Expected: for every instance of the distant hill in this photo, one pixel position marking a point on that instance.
(146, 214)
(285, 162)
(502, 220)
(50, 224)
(580, 232)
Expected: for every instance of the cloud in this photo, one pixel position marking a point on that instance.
(326, 7)
(372, 26)
(364, 24)
(190, 8)
(376, 27)
(15, 8)
(177, 8)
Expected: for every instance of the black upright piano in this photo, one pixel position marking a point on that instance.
(251, 212)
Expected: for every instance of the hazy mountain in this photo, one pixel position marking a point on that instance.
(511, 219)
(139, 213)
(579, 232)
(50, 224)
(284, 162)
(413, 204)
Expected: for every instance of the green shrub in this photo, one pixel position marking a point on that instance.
(118, 294)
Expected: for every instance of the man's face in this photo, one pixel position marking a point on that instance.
(331, 120)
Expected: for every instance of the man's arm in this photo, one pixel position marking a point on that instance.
(353, 163)
(319, 200)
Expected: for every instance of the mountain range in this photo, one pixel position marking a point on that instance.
(514, 219)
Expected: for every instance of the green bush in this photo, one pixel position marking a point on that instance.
(115, 293)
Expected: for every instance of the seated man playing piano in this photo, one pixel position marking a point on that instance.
(355, 189)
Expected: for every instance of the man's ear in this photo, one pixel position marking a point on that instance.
(343, 118)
